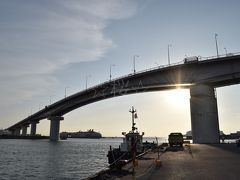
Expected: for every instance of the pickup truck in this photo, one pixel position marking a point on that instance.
(175, 139)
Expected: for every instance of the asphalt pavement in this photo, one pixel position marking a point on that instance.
(192, 162)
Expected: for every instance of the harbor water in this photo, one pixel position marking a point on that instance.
(42, 159)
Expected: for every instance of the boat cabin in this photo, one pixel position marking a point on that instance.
(132, 140)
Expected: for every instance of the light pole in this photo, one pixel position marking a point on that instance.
(50, 100)
(225, 51)
(111, 65)
(88, 76)
(66, 91)
(134, 64)
(216, 43)
(169, 45)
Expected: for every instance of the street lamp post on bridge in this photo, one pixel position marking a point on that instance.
(169, 45)
(66, 91)
(134, 63)
(225, 51)
(50, 99)
(111, 65)
(88, 76)
(216, 44)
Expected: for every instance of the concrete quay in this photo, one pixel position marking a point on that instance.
(193, 162)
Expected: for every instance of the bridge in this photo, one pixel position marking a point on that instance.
(201, 77)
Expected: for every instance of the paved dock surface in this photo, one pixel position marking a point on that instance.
(220, 162)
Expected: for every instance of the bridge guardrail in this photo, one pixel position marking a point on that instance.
(219, 56)
(201, 58)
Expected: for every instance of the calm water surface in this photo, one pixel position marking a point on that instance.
(41, 159)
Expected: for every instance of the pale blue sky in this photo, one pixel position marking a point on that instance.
(46, 46)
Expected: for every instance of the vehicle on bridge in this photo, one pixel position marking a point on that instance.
(192, 59)
(175, 139)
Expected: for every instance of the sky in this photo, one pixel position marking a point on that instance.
(48, 48)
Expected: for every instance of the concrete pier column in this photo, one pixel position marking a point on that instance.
(12, 131)
(24, 130)
(54, 127)
(17, 132)
(204, 114)
(33, 128)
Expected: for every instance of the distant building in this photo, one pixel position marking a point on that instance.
(222, 133)
(4, 131)
(189, 133)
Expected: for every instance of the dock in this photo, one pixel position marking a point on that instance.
(192, 161)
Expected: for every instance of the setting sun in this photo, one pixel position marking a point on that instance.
(177, 97)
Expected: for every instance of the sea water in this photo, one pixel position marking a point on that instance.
(42, 159)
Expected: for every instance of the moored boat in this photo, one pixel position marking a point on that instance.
(131, 146)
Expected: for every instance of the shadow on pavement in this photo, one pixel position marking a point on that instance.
(232, 147)
(175, 148)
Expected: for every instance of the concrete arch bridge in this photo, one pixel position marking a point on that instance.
(201, 76)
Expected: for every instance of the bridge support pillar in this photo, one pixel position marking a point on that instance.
(204, 114)
(24, 130)
(54, 127)
(16, 132)
(33, 128)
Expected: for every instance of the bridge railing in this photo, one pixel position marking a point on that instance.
(219, 56)
(201, 58)
(133, 74)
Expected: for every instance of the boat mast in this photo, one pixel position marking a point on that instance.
(133, 124)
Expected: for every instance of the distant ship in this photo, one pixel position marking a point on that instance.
(81, 134)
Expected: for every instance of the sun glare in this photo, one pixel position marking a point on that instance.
(177, 97)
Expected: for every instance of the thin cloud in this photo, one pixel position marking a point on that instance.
(40, 37)
(37, 38)
(45, 36)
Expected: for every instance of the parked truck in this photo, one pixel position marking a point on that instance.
(175, 139)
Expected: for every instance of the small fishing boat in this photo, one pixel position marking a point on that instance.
(131, 146)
